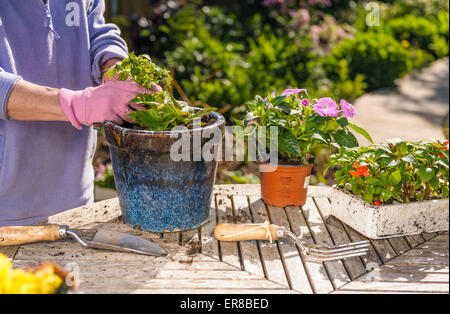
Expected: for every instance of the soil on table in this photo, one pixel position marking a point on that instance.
(194, 247)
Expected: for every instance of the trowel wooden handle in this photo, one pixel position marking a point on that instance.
(22, 235)
(234, 232)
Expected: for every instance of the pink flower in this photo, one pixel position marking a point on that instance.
(347, 109)
(293, 91)
(326, 107)
(270, 106)
(293, 123)
(100, 172)
(305, 102)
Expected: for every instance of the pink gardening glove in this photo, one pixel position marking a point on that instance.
(98, 104)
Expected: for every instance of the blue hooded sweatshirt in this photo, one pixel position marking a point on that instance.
(46, 167)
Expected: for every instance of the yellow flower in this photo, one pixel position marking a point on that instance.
(5, 267)
(17, 281)
(23, 283)
(405, 44)
(49, 282)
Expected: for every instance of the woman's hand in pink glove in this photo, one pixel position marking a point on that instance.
(110, 101)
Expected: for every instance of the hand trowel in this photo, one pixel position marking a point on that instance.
(103, 239)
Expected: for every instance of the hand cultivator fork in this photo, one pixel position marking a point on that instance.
(270, 232)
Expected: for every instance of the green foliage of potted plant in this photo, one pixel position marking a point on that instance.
(392, 189)
(302, 124)
(160, 111)
(158, 193)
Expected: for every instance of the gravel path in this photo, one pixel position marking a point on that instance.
(413, 111)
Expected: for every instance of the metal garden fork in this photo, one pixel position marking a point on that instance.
(270, 232)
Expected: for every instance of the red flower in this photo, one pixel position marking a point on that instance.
(446, 143)
(360, 171)
(442, 155)
(376, 203)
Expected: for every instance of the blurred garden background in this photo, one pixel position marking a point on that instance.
(389, 58)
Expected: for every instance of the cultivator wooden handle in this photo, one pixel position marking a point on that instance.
(30, 234)
(246, 232)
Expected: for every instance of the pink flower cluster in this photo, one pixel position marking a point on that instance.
(326, 107)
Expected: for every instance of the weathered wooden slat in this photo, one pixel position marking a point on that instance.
(439, 238)
(411, 260)
(9, 251)
(317, 273)
(336, 270)
(438, 246)
(248, 249)
(395, 287)
(210, 245)
(269, 253)
(293, 264)
(392, 276)
(414, 240)
(354, 265)
(255, 190)
(429, 235)
(173, 263)
(242, 189)
(384, 250)
(426, 253)
(372, 257)
(100, 212)
(229, 251)
(415, 269)
(399, 244)
(187, 284)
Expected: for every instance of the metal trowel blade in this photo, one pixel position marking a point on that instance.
(123, 242)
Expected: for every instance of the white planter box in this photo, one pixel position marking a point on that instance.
(389, 220)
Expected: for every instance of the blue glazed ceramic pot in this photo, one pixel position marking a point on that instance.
(155, 192)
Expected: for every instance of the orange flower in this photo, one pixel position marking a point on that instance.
(360, 171)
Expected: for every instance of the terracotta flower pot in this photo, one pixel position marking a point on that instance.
(286, 185)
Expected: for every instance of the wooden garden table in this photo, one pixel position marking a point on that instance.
(412, 264)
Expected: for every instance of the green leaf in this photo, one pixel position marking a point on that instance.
(345, 139)
(361, 131)
(388, 162)
(288, 143)
(150, 119)
(426, 173)
(395, 178)
(368, 197)
(199, 114)
(321, 136)
(279, 121)
(343, 122)
(411, 159)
